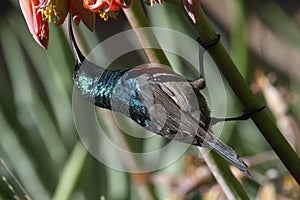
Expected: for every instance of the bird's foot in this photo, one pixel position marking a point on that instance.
(198, 84)
(207, 45)
(246, 115)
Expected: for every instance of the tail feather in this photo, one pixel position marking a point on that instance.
(226, 152)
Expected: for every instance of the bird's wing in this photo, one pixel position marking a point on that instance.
(169, 117)
(178, 125)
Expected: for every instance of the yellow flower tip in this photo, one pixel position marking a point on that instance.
(49, 12)
(110, 14)
(103, 15)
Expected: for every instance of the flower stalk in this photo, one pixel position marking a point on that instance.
(137, 19)
(239, 86)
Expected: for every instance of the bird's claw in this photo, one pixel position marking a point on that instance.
(207, 45)
(246, 115)
(198, 84)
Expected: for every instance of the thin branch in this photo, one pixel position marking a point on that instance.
(137, 19)
(262, 120)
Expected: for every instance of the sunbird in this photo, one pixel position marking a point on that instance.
(158, 99)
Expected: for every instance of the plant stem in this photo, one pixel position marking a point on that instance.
(262, 120)
(137, 19)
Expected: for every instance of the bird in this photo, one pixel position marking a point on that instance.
(156, 98)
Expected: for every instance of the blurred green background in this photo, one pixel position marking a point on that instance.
(39, 145)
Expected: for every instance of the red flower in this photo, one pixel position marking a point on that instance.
(35, 20)
(38, 14)
(106, 8)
